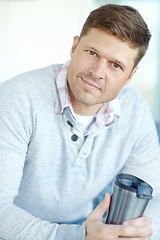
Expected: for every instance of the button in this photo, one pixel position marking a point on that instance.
(74, 137)
(70, 124)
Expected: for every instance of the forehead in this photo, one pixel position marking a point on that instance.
(109, 46)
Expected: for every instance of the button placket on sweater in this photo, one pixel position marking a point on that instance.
(83, 143)
(76, 136)
(84, 152)
(86, 149)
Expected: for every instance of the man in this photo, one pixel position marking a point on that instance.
(67, 130)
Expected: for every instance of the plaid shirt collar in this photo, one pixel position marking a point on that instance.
(103, 117)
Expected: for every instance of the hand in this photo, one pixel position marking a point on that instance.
(136, 229)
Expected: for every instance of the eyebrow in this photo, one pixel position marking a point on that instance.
(123, 65)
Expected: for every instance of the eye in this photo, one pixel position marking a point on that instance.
(92, 53)
(115, 65)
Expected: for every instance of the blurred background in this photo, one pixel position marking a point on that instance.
(38, 33)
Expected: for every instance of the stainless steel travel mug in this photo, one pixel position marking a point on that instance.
(129, 199)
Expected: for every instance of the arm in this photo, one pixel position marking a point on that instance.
(16, 129)
(144, 162)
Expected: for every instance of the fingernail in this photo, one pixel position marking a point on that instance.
(126, 223)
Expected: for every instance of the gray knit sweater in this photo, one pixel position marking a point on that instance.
(46, 178)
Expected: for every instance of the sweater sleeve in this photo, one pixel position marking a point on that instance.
(15, 135)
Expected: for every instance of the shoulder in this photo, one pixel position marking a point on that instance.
(130, 93)
(39, 82)
(132, 100)
(134, 109)
(38, 77)
(30, 89)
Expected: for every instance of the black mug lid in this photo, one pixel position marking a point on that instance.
(134, 184)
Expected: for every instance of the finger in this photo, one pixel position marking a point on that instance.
(121, 231)
(134, 231)
(143, 238)
(141, 221)
(99, 211)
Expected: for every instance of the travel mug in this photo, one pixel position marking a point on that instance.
(129, 199)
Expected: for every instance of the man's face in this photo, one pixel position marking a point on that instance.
(100, 66)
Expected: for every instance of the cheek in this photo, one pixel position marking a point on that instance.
(80, 62)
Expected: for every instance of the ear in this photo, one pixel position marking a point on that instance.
(132, 74)
(75, 43)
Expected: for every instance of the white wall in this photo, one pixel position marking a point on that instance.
(37, 33)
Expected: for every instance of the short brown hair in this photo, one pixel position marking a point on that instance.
(124, 22)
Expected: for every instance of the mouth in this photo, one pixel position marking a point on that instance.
(90, 84)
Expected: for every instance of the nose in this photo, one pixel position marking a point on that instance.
(98, 69)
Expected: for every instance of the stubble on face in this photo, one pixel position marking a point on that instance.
(80, 92)
(84, 88)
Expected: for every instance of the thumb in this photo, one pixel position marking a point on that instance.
(102, 207)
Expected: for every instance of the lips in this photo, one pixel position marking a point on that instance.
(90, 84)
